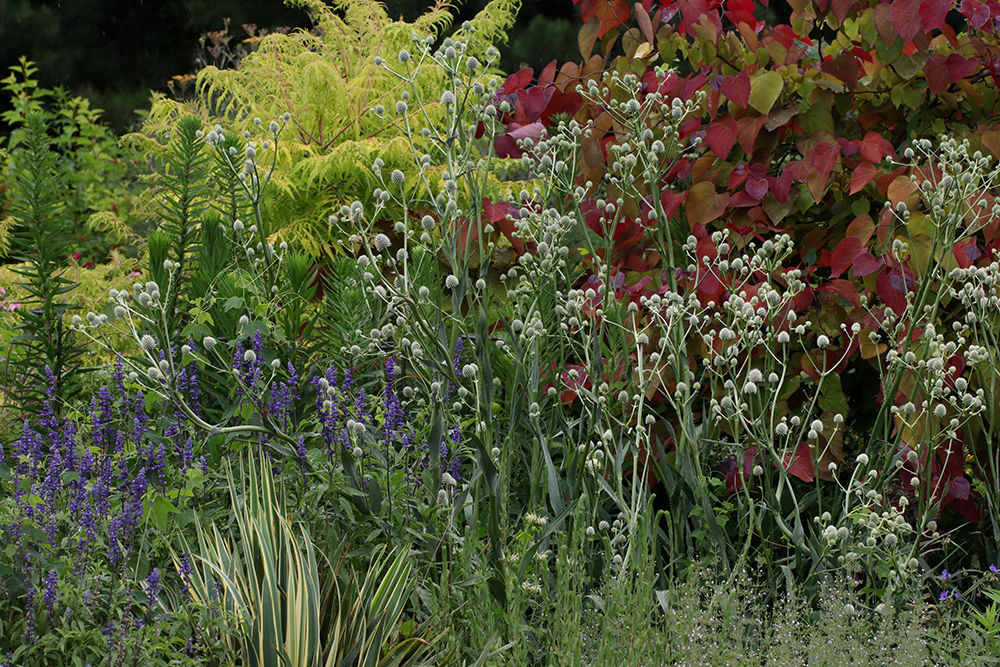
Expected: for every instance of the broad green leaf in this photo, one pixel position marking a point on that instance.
(764, 90)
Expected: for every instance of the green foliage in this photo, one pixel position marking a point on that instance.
(41, 243)
(285, 612)
(94, 174)
(183, 202)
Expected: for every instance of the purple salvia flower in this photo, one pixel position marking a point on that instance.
(51, 590)
(114, 545)
(153, 586)
(395, 417)
(187, 454)
(133, 515)
(139, 419)
(29, 626)
(161, 464)
(186, 574)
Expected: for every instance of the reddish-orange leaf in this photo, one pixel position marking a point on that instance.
(845, 67)
(824, 157)
(883, 24)
(943, 70)
(861, 176)
(610, 13)
(905, 17)
(991, 139)
(873, 147)
(843, 288)
(844, 254)
(721, 137)
(840, 9)
(645, 25)
(861, 228)
(749, 128)
(737, 88)
(900, 188)
(801, 463)
(704, 204)
(933, 13)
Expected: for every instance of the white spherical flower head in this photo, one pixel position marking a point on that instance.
(404, 56)
(397, 176)
(273, 127)
(238, 226)
(148, 343)
(185, 349)
(862, 459)
(120, 312)
(208, 342)
(382, 242)
(822, 341)
(427, 222)
(451, 282)
(250, 355)
(244, 320)
(447, 98)
(817, 426)
(401, 107)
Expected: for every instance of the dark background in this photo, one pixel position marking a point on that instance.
(115, 53)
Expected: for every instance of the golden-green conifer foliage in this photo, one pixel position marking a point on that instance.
(327, 81)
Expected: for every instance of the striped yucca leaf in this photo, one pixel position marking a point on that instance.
(271, 583)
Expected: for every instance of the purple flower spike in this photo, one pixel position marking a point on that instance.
(153, 586)
(51, 590)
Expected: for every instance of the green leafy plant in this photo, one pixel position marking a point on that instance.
(41, 243)
(94, 174)
(271, 581)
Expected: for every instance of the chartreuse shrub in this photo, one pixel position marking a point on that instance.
(326, 81)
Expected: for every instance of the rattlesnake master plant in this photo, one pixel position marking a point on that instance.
(721, 374)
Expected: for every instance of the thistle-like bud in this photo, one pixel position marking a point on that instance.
(148, 343)
(208, 342)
